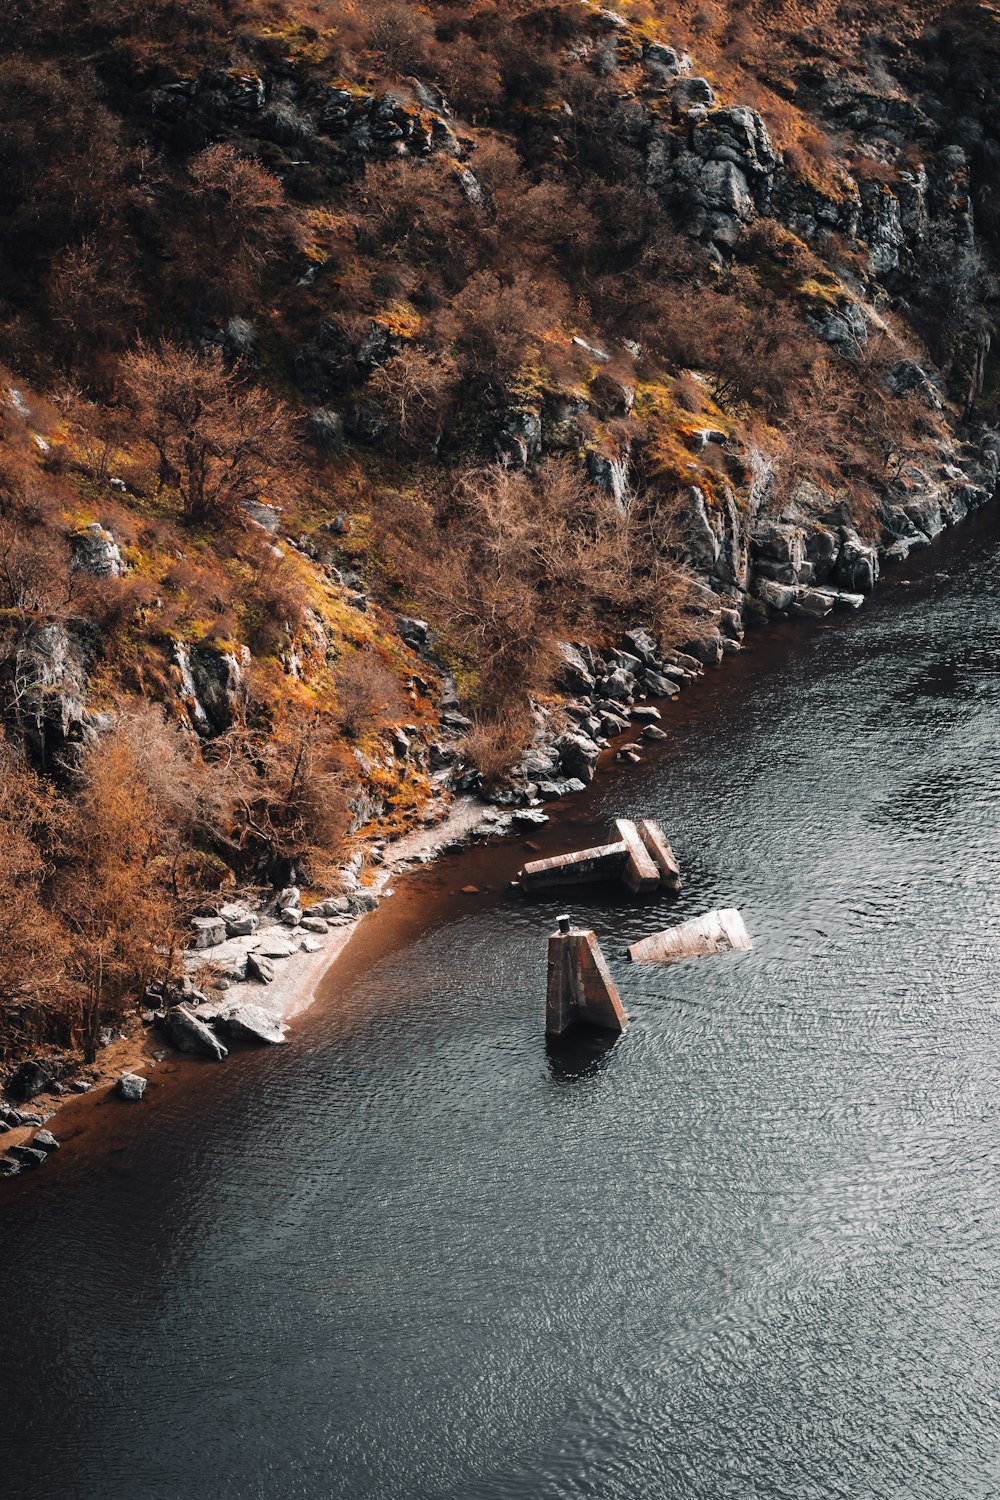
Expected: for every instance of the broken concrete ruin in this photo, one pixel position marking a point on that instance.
(641, 858)
(716, 932)
(579, 987)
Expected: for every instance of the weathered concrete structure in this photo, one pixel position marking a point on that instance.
(663, 856)
(640, 873)
(640, 857)
(586, 867)
(579, 988)
(716, 932)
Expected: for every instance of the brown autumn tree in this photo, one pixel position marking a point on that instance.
(112, 895)
(232, 220)
(218, 441)
(32, 939)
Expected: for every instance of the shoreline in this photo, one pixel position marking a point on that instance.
(293, 990)
(467, 821)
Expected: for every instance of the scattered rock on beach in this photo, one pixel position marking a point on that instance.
(276, 946)
(208, 931)
(249, 1023)
(260, 967)
(27, 1156)
(189, 1034)
(44, 1140)
(130, 1086)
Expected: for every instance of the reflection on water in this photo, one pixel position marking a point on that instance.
(578, 1054)
(751, 1249)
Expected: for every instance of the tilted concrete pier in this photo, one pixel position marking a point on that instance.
(579, 987)
(640, 857)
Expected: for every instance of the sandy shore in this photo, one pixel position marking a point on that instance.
(296, 979)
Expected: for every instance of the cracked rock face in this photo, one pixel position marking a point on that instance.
(95, 551)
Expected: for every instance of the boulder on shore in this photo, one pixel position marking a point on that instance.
(130, 1086)
(189, 1034)
(249, 1023)
(208, 931)
(260, 967)
(27, 1156)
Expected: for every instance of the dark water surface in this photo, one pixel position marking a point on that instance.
(752, 1250)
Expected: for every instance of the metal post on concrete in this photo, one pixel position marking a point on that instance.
(579, 987)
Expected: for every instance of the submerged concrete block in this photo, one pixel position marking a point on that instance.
(663, 856)
(579, 986)
(716, 932)
(640, 874)
(605, 862)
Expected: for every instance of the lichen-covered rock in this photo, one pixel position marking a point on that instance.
(51, 662)
(326, 429)
(519, 441)
(611, 473)
(212, 685)
(701, 537)
(95, 551)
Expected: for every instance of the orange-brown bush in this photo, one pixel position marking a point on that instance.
(367, 692)
(217, 442)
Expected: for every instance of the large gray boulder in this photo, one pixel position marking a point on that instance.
(189, 1034)
(576, 675)
(779, 551)
(578, 755)
(208, 932)
(707, 649)
(856, 570)
(240, 920)
(260, 968)
(27, 1156)
(619, 687)
(778, 597)
(248, 1023)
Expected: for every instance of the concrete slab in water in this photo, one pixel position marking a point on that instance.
(716, 932)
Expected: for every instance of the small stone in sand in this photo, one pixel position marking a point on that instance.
(45, 1140)
(470, 890)
(131, 1087)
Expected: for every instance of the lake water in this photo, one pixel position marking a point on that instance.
(752, 1249)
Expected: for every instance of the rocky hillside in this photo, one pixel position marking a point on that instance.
(361, 357)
